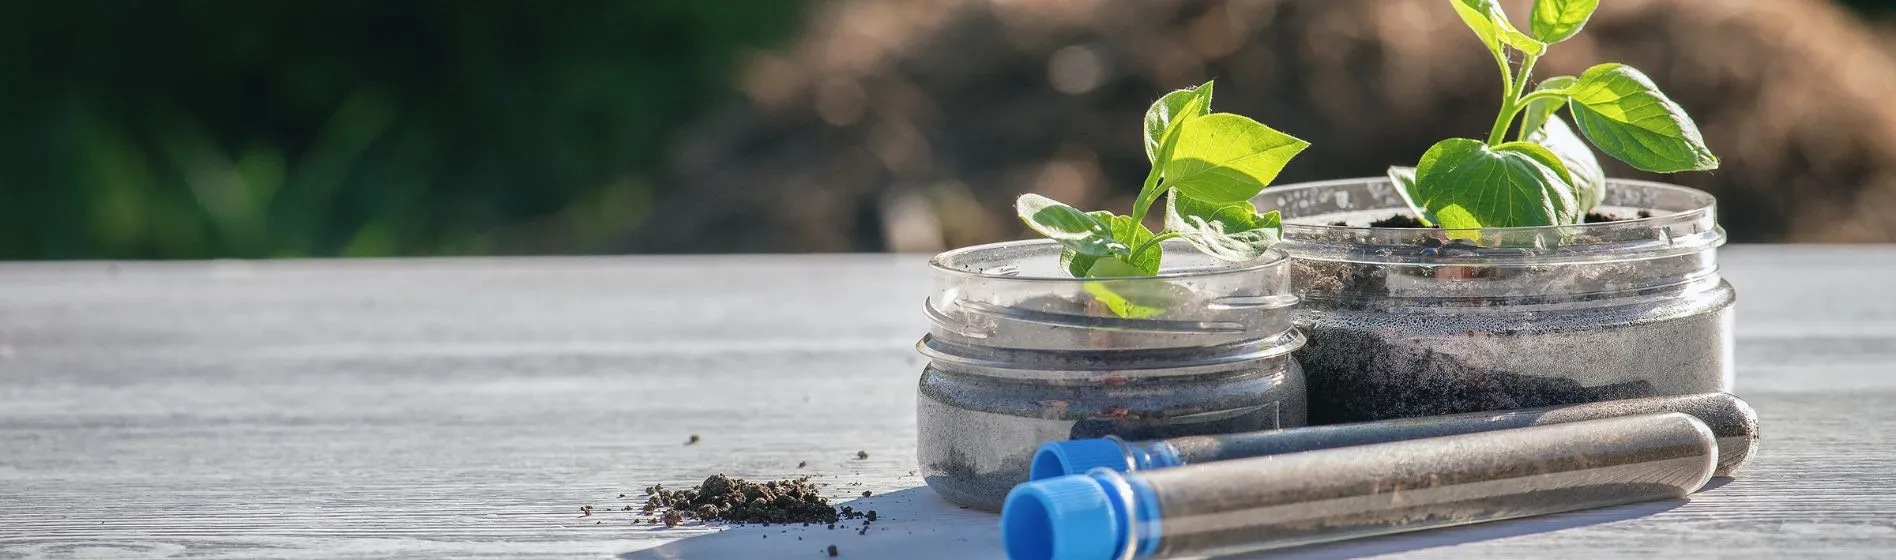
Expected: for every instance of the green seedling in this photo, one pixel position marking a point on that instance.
(1208, 166)
(1547, 175)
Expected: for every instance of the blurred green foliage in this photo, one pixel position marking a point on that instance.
(246, 128)
(1876, 8)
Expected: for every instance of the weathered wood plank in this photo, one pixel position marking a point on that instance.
(470, 407)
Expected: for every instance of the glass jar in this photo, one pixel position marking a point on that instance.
(1408, 322)
(1020, 354)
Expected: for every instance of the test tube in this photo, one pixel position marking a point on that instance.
(1732, 421)
(1274, 501)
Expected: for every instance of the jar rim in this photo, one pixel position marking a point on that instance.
(943, 262)
(1683, 220)
(1707, 204)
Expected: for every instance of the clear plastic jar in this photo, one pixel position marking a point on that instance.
(1022, 354)
(1410, 322)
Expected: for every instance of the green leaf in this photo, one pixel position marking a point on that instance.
(1626, 116)
(1168, 110)
(1558, 20)
(1540, 154)
(1537, 111)
(1136, 298)
(1491, 24)
(1192, 108)
(1124, 230)
(1466, 184)
(1231, 232)
(1589, 178)
(1225, 159)
(1078, 231)
(1108, 293)
(1127, 294)
(1403, 178)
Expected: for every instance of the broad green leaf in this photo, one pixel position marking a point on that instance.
(1223, 158)
(1558, 20)
(1113, 267)
(1491, 24)
(1075, 230)
(1403, 178)
(1193, 108)
(1168, 109)
(1539, 110)
(1131, 295)
(1583, 168)
(1108, 293)
(1466, 184)
(1231, 232)
(1541, 154)
(1125, 231)
(1626, 116)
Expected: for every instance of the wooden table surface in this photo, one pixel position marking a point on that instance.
(469, 408)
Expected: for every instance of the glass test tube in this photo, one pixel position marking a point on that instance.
(1732, 421)
(1293, 499)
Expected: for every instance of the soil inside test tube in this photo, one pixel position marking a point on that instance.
(1302, 498)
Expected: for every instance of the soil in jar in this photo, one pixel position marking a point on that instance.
(1361, 372)
(1355, 375)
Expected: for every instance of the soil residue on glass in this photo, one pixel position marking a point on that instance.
(1408, 221)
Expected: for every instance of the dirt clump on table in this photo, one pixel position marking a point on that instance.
(735, 500)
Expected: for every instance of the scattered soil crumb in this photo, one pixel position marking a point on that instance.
(832, 551)
(673, 518)
(694, 439)
(865, 493)
(862, 455)
(722, 498)
(801, 464)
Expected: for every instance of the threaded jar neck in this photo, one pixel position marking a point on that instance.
(1011, 307)
(1663, 241)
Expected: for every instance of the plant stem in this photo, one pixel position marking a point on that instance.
(1154, 242)
(1511, 102)
(1148, 194)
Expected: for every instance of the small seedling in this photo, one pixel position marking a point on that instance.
(1547, 175)
(1208, 165)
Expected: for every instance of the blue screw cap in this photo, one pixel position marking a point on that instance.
(1061, 458)
(1063, 518)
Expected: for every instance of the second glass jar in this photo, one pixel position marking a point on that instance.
(1408, 322)
(1021, 354)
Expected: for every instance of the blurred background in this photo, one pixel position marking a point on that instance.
(292, 128)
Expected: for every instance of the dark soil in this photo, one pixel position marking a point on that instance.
(1399, 221)
(1351, 379)
(1407, 221)
(722, 498)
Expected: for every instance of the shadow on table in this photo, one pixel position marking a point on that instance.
(915, 524)
(912, 524)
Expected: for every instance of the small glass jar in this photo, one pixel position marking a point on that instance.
(1020, 354)
(1408, 322)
